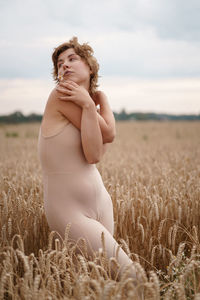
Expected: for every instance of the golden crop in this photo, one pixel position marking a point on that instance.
(152, 172)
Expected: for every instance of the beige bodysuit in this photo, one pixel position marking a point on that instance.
(74, 192)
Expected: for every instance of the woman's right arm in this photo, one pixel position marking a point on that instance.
(73, 113)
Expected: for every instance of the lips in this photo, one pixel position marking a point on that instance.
(67, 72)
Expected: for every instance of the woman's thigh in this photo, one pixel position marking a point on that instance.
(91, 230)
(106, 217)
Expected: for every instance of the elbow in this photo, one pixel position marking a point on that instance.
(112, 137)
(93, 160)
(109, 138)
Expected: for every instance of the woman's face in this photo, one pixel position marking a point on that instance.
(72, 67)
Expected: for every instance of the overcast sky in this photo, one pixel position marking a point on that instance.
(148, 51)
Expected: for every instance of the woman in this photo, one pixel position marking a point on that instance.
(73, 137)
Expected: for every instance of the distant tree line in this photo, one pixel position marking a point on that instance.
(138, 116)
(18, 117)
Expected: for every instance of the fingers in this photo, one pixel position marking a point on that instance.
(72, 83)
(65, 98)
(66, 88)
(65, 94)
(68, 84)
(64, 91)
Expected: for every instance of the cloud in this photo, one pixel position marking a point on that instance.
(174, 96)
(171, 19)
(140, 53)
(143, 54)
(26, 95)
(130, 38)
(149, 40)
(163, 96)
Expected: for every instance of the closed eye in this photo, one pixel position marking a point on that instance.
(72, 58)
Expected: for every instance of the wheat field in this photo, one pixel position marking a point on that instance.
(152, 172)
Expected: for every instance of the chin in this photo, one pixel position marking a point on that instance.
(69, 77)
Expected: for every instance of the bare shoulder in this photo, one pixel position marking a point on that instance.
(99, 95)
(67, 109)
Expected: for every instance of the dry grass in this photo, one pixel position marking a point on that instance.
(152, 172)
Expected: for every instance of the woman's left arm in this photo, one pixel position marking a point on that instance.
(91, 135)
(105, 117)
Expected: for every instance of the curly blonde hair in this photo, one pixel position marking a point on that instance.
(86, 53)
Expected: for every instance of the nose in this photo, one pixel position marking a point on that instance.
(65, 65)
